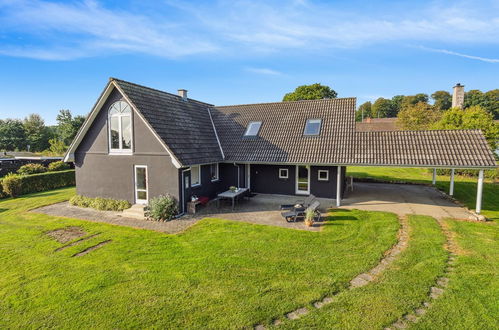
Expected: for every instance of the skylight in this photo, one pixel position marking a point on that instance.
(253, 128)
(313, 127)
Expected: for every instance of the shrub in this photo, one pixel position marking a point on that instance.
(309, 217)
(12, 184)
(98, 203)
(162, 208)
(2, 194)
(15, 184)
(32, 168)
(58, 166)
(489, 174)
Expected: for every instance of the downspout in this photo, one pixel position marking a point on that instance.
(238, 174)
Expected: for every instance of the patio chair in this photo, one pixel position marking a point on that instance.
(304, 203)
(298, 212)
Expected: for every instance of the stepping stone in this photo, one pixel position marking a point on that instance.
(297, 313)
(426, 304)
(318, 304)
(420, 311)
(443, 281)
(400, 324)
(260, 327)
(366, 277)
(377, 270)
(436, 292)
(327, 300)
(358, 282)
(411, 318)
(277, 322)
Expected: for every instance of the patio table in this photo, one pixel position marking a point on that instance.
(231, 195)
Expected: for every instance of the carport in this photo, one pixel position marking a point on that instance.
(445, 149)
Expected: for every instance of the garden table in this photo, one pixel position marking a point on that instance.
(229, 194)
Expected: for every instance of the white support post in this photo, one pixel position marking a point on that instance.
(434, 180)
(451, 187)
(338, 187)
(479, 190)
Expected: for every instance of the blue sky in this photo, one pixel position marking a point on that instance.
(59, 54)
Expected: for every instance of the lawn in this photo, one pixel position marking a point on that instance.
(464, 187)
(224, 274)
(217, 274)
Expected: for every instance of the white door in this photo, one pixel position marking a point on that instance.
(303, 180)
(141, 184)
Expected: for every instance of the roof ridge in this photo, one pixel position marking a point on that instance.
(157, 90)
(280, 102)
(428, 130)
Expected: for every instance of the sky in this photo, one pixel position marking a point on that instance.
(60, 54)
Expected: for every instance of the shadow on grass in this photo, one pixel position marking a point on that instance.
(333, 216)
(3, 210)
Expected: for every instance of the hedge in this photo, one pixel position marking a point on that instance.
(16, 185)
(98, 203)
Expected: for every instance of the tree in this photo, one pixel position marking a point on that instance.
(474, 117)
(397, 103)
(383, 108)
(311, 92)
(364, 111)
(443, 100)
(414, 99)
(57, 148)
(37, 134)
(12, 136)
(493, 106)
(67, 126)
(418, 117)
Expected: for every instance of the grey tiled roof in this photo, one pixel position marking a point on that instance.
(187, 130)
(185, 127)
(281, 134)
(445, 148)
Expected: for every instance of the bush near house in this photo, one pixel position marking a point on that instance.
(162, 208)
(98, 203)
(489, 174)
(2, 193)
(31, 168)
(15, 184)
(58, 166)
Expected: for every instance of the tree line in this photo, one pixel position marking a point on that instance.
(31, 133)
(442, 101)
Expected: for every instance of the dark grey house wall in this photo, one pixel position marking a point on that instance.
(265, 179)
(99, 174)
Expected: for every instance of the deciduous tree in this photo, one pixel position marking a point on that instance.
(443, 100)
(37, 134)
(418, 117)
(311, 92)
(12, 136)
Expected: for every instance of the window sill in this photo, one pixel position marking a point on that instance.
(196, 185)
(215, 180)
(118, 153)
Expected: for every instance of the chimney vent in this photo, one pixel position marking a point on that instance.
(183, 94)
(458, 96)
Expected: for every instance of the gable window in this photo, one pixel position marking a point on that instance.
(283, 173)
(253, 128)
(214, 172)
(323, 175)
(120, 127)
(195, 175)
(313, 127)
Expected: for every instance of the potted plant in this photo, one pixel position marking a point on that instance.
(233, 188)
(309, 217)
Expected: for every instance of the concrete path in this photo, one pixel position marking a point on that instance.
(402, 199)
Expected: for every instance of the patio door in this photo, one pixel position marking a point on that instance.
(141, 184)
(302, 179)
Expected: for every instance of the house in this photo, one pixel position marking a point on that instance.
(139, 142)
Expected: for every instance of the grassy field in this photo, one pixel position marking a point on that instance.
(224, 274)
(464, 187)
(217, 274)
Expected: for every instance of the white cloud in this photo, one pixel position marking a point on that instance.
(264, 71)
(232, 28)
(472, 57)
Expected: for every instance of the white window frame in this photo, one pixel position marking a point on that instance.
(249, 127)
(310, 121)
(120, 150)
(297, 190)
(199, 175)
(137, 200)
(282, 176)
(217, 171)
(319, 175)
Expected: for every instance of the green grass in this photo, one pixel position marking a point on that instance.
(464, 187)
(217, 274)
(398, 290)
(471, 300)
